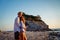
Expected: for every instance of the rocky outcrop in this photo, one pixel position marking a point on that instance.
(34, 23)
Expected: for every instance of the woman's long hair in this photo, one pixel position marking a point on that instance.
(22, 19)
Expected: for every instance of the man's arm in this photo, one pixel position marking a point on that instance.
(18, 22)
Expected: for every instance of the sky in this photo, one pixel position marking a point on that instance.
(49, 10)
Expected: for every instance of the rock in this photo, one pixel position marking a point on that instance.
(34, 23)
(54, 36)
(33, 27)
(58, 34)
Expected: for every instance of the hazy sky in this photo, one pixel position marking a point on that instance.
(49, 10)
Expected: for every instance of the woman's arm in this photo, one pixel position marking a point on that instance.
(25, 28)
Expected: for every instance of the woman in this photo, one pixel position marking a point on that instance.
(22, 34)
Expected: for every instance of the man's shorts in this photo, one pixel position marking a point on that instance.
(16, 35)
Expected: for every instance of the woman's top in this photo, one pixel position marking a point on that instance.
(22, 26)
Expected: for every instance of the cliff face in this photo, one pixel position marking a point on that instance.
(34, 23)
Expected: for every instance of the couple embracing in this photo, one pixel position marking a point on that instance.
(19, 27)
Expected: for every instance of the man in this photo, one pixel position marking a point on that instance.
(16, 26)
